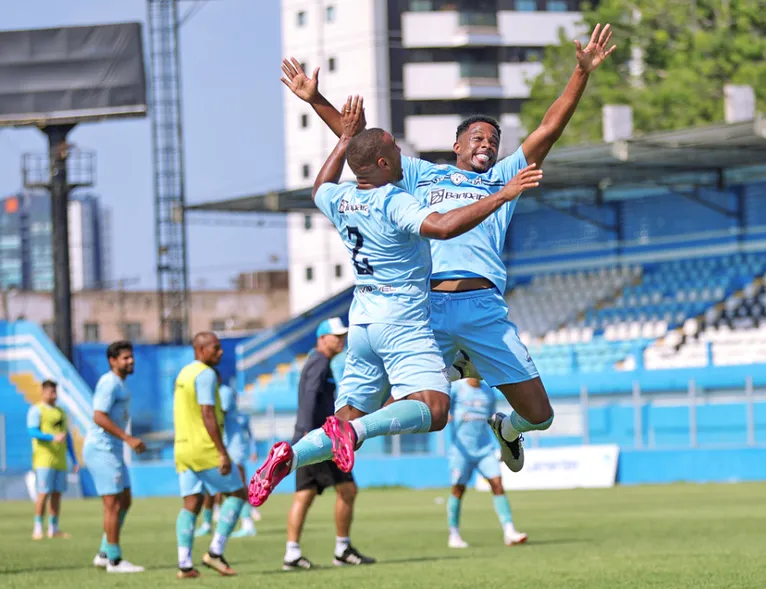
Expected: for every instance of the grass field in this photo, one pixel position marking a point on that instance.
(681, 536)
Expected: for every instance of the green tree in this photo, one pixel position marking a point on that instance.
(689, 49)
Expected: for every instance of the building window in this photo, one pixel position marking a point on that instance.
(131, 331)
(556, 5)
(301, 18)
(304, 66)
(307, 222)
(330, 13)
(338, 271)
(91, 332)
(304, 121)
(421, 5)
(526, 5)
(309, 274)
(218, 325)
(306, 170)
(331, 64)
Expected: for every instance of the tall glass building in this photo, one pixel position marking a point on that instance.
(26, 252)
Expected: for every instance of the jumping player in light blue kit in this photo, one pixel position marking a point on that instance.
(474, 448)
(103, 454)
(469, 314)
(389, 339)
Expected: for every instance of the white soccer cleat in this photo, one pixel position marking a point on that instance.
(456, 542)
(514, 538)
(101, 561)
(464, 365)
(255, 515)
(124, 567)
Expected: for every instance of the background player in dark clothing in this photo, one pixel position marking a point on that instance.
(316, 402)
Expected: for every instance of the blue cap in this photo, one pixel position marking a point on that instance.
(332, 326)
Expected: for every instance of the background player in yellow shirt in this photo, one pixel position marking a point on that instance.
(47, 425)
(202, 461)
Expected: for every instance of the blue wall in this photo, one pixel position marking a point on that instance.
(421, 472)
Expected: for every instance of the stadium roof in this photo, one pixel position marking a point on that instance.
(691, 156)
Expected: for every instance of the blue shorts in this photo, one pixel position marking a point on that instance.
(405, 357)
(48, 480)
(462, 465)
(209, 481)
(477, 323)
(108, 470)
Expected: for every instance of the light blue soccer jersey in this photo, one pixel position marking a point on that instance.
(471, 407)
(233, 434)
(392, 262)
(112, 397)
(479, 252)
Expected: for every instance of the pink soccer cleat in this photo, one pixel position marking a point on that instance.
(343, 438)
(266, 478)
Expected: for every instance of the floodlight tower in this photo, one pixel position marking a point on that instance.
(168, 155)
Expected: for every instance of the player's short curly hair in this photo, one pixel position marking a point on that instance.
(466, 124)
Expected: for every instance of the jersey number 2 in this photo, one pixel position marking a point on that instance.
(363, 267)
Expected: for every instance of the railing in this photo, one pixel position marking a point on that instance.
(479, 70)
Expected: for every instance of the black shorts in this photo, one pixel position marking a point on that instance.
(320, 476)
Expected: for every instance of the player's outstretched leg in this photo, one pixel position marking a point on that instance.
(336, 439)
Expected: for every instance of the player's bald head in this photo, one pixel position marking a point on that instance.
(473, 382)
(204, 339)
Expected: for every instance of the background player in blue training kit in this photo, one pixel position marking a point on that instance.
(474, 448)
(469, 277)
(103, 454)
(390, 341)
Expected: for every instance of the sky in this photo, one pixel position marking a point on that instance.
(232, 117)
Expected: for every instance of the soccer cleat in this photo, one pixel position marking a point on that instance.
(203, 530)
(512, 453)
(255, 515)
(343, 439)
(243, 533)
(188, 574)
(515, 538)
(351, 556)
(38, 535)
(123, 566)
(59, 534)
(218, 563)
(464, 366)
(299, 563)
(456, 542)
(100, 560)
(274, 469)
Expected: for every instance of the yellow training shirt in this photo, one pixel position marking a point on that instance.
(50, 454)
(194, 448)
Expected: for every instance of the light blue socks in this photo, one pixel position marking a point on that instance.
(113, 552)
(185, 537)
(207, 516)
(453, 512)
(227, 520)
(502, 509)
(104, 543)
(402, 417)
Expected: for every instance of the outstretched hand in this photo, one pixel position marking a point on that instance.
(305, 88)
(596, 51)
(352, 116)
(526, 179)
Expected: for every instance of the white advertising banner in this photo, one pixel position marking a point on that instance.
(567, 467)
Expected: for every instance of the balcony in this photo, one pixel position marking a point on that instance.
(452, 80)
(450, 28)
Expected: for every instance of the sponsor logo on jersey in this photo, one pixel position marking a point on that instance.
(346, 207)
(441, 194)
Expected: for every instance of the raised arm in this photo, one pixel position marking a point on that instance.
(463, 219)
(351, 119)
(307, 89)
(541, 140)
